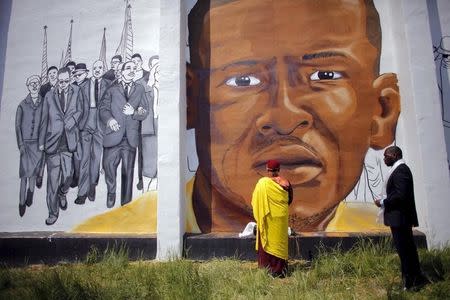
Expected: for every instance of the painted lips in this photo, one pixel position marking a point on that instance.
(298, 163)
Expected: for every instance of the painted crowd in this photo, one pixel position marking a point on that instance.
(82, 121)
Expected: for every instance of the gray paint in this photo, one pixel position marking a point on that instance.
(5, 14)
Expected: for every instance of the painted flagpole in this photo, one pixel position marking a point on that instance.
(68, 56)
(44, 64)
(125, 48)
(61, 62)
(102, 55)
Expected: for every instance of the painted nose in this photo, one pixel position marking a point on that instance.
(285, 115)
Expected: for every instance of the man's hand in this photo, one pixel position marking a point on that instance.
(113, 124)
(22, 149)
(128, 109)
(141, 111)
(377, 202)
(69, 124)
(41, 147)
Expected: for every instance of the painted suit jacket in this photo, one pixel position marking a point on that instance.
(111, 107)
(55, 121)
(86, 87)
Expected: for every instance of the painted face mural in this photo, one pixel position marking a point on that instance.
(138, 62)
(296, 81)
(33, 86)
(115, 63)
(52, 75)
(63, 80)
(129, 69)
(80, 76)
(97, 69)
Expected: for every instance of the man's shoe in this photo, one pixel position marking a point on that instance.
(140, 185)
(418, 284)
(110, 200)
(74, 182)
(51, 220)
(91, 193)
(39, 182)
(80, 200)
(22, 208)
(62, 200)
(29, 200)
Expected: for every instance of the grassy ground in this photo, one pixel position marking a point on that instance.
(367, 272)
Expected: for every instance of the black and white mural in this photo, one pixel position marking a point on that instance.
(79, 110)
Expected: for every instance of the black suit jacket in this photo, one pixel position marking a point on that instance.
(86, 87)
(110, 75)
(55, 122)
(111, 106)
(44, 89)
(399, 206)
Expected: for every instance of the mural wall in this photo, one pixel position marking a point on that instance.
(303, 82)
(79, 111)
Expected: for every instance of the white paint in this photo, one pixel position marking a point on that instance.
(172, 162)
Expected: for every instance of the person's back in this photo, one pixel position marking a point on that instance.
(270, 201)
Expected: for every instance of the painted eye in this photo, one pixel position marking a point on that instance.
(325, 75)
(246, 80)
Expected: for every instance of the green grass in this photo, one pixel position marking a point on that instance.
(367, 271)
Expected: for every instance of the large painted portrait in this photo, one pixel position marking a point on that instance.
(297, 81)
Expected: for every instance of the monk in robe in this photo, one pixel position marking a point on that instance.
(270, 201)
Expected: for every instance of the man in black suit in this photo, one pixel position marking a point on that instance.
(91, 131)
(71, 65)
(124, 105)
(141, 76)
(140, 73)
(79, 75)
(400, 215)
(58, 137)
(52, 80)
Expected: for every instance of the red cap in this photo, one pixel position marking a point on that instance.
(273, 164)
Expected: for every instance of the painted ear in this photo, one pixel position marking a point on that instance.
(384, 122)
(191, 96)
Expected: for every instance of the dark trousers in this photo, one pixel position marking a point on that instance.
(150, 152)
(76, 162)
(112, 156)
(59, 175)
(91, 144)
(140, 155)
(407, 251)
(277, 267)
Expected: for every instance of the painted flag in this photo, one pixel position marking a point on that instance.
(102, 55)
(44, 64)
(125, 47)
(68, 56)
(61, 62)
